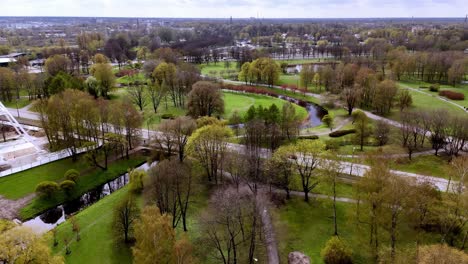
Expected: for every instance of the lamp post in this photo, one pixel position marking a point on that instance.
(352, 162)
(17, 110)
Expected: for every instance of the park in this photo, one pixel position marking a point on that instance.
(233, 143)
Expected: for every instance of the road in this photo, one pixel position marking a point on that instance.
(348, 168)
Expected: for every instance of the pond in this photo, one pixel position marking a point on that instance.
(52, 217)
(315, 112)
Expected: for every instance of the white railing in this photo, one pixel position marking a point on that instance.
(48, 158)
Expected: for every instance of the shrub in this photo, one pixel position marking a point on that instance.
(67, 186)
(328, 121)
(434, 87)
(452, 95)
(47, 188)
(313, 137)
(71, 175)
(340, 133)
(167, 116)
(332, 144)
(336, 252)
(136, 180)
(126, 72)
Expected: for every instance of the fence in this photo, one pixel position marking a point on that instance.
(51, 157)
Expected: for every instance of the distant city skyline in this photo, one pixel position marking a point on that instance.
(236, 9)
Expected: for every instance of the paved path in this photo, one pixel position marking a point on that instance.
(433, 96)
(349, 168)
(9, 208)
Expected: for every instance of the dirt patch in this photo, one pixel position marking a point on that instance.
(9, 209)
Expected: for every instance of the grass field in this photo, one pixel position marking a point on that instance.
(96, 245)
(23, 183)
(232, 102)
(242, 102)
(306, 227)
(429, 165)
(126, 79)
(85, 183)
(217, 70)
(426, 99)
(290, 79)
(22, 102)
(302, 61)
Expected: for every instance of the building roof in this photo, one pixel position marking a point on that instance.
(6, 60)
(13, 55)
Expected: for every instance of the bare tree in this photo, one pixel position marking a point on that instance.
(169, 186)
(231, 226)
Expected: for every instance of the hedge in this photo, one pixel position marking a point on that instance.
(309, 137)
(452, 95)
(340, 133)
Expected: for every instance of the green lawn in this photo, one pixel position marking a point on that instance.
(306, 60)
(290, 79)
(22, 102)
(219, 70)
(429, 100)
(242, 102)
(85, 183)
(306, 227)
(23, 183)
(96, 245)
(430, 165)
(126, 79)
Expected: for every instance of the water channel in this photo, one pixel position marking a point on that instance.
(52, 217)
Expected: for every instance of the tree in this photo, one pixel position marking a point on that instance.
(363, 129)
(176, 133)
(395, 200)
(20, 245)
(307, 75)
(332, 170)
(7, 84)
(289, 121)
(56, 64)
(75, 227)
(305, 155)
(208, 144)
(381, 132)
(280, 170)
(441, 253)
(370, 209)
(231, 226)
(137, 95)
(235, 120)
(205, 99)
(67, 186)
(169, 187)
(336, 252)
(154, 236)
(167, 73)
(411, 132)
(72, 175)
(47, 188)
(156, 94)
(385, 94)
(105, 77)
(136, 181)
(328, 121)
(125, 213)
(352, 97)
(404, 99)
(92, 86)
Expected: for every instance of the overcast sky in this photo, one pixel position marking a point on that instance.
(236, 8)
